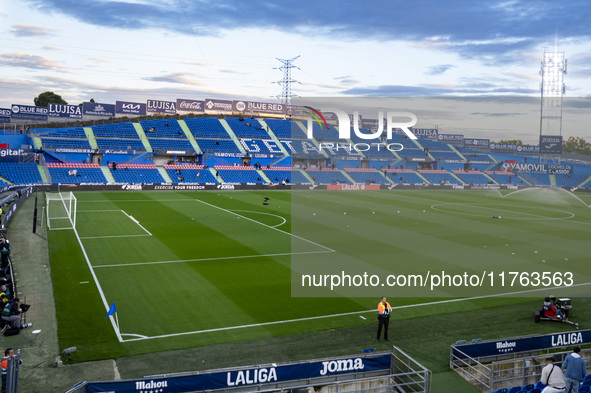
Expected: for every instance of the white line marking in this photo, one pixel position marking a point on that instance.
(96, 281)
(267, 214)
(137, 222)
(97, 211)
(134, 335)
(265, 225)
(214, 259)
(114, 236)
(350, 313)
(84, 282)
(535, 216)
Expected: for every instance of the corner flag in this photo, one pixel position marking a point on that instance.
(112, 310)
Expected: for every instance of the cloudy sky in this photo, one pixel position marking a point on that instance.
(143, 49)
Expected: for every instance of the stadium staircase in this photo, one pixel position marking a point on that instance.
(422, 177)
(584, 182)
(43, 170)
(164, 174)
(453, 148)
(90, 137)
(143, 137)
(264, 176)
(552, 180)
(218, 177)
(108, 174)
(307, 176)
(274, 138)
(37, 143)
(457, 178)
(348, 177)
(232, 135)
(190, 136)
(490, 178)
(528, 180)
(385, 177)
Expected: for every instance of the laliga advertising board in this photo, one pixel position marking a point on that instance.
(248, 376)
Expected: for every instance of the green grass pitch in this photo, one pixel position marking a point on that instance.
(190, 269)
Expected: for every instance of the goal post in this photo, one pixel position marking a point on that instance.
(61, 210)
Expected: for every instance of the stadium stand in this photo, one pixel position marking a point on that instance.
(472, 177)
(366, 176)
(190, 174)
(162, 128)
(434, 145)
(239, 174)
(170, 144)
(285, 129)
(439, 177)
(445, 155)
(218, 146)
(120, 144)
(327, 176)
(571, 180)
(206, 127)
(506, 178)
(76, 173)
(247, 128)
(115, 130)
(299, 148)
(136, 173)
(536, 178)
(412, 153)
(20, 173)
(261, 146)
(401, 176)
(288, 174)
(70, 132)
(63, 143)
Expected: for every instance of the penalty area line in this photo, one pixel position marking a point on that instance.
(343, 314)
(137, 222)
(214, 258)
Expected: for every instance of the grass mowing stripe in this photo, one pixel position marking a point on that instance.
(260, 223)
(346, 314)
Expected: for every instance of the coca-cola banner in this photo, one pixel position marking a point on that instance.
(190, 105)
(161, 106)
(258, 107)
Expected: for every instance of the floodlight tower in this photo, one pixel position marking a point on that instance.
(286, 82)
(552, 92)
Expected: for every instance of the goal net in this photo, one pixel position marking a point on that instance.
(61, 210)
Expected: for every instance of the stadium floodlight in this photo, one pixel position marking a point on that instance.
(552, 89)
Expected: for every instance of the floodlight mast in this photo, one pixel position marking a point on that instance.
(286, 93)
(552, 89)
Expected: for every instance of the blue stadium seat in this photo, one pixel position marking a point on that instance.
(503, 390)
(163, 128)
(367, 176)
(247, 128)
(120, 144)
(20, 173)
(476, 178)
(515, 389)
(584, 388)
(527, 388)
(218, 146)
(76, 173)
(130, 173)
(404, 177)
(328, 177)
(116, 130)
(461, 342)
(240, 175)
(206, 127)
(285, 129)
(190, 174)
(539, 385)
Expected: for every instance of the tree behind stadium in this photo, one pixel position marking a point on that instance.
(49, 97)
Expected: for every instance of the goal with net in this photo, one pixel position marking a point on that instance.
(61, 210)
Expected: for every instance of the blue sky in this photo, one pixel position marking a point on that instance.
(140, 49)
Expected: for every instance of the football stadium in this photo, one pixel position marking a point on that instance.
(238, 243)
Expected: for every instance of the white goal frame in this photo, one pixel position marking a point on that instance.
(61, 210)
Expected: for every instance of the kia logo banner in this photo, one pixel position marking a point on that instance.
(130, 108)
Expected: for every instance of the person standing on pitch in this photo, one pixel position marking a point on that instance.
(384, 310)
